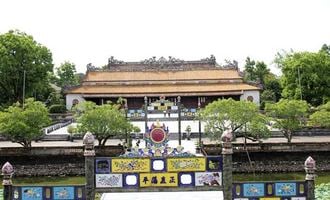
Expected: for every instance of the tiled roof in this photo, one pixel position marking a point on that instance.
(123, 90)
(122, 76)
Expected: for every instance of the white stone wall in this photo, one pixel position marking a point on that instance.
(254, 94)
(71, 97)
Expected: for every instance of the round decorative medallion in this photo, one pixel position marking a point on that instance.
(157, 135)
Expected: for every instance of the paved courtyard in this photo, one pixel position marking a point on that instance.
(211, 195)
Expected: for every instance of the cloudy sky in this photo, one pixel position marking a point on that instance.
(90, 31)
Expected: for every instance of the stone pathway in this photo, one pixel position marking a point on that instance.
(210, 195)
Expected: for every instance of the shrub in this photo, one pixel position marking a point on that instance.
(57, 108)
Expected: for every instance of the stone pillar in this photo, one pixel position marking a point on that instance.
(179, 119)
(7, 172)
(227, 152)
(89, 154)
(310, 167)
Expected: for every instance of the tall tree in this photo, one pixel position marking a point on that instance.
(24, 65)
(288, 115)
(306, 76)
(249, 74)
(105, 121)
(242, 117)
(66, 75)
(255, 71)
(23, 125)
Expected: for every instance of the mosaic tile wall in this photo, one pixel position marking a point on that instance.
(158, 172)
(49, 192)
(270, 191)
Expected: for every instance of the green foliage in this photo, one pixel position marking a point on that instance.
(83, 107)
(255, 71)
(136, 129)
(322, 191)
(19, 54)
(288, 115)
(242, 117)
(259, 72)
(57, 108)
(24, 125)
(272, 83)
(321, 117)
(66, 75)
(306, 75)
(104, 121)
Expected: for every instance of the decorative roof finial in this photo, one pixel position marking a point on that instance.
(88, 139)
(7, 168)
(310, 163)
(227, 136)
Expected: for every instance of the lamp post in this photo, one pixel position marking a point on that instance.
(299, 82)
(199, 125)
(23, 96)
(145, 117)
(179, 119)
(127, 140)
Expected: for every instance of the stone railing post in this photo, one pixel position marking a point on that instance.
(7, 172)
(89, 153)
(310, 167)
(227, 152)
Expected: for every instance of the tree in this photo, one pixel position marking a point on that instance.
(255, 71)
(242, 117)
(306, 76)
(104, 121)
(273, 84)
(321, 117)
(24, 65)
(288, 115)
(66, 75)
(23, 125)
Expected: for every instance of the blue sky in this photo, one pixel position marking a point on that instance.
(82, 31)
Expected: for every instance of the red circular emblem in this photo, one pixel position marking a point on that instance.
(157, 135)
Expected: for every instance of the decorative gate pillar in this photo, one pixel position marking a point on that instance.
(310, 167)
(7, 172)
(89, 154)
(227, 152)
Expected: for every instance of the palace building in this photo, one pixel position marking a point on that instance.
(196, 83)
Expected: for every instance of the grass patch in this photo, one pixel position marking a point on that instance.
(48, 181)
(322, 177)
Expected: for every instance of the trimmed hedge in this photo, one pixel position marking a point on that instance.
(57, 108)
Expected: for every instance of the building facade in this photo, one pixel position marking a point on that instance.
(197, 83)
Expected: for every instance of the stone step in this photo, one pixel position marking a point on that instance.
(55, 137)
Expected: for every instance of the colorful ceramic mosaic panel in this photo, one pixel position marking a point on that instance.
(108, 180)
(254, 189)
(270, 191)
(130, 165)
(66, 193)
(192, 164)
(32, 193)
(285, 189)
(208, 179)
(159, 180)
(102, 166)
(214, 163)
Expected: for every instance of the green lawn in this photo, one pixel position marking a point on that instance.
(322, 177)
(48, 181)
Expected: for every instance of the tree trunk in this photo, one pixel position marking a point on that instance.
(289, 136)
